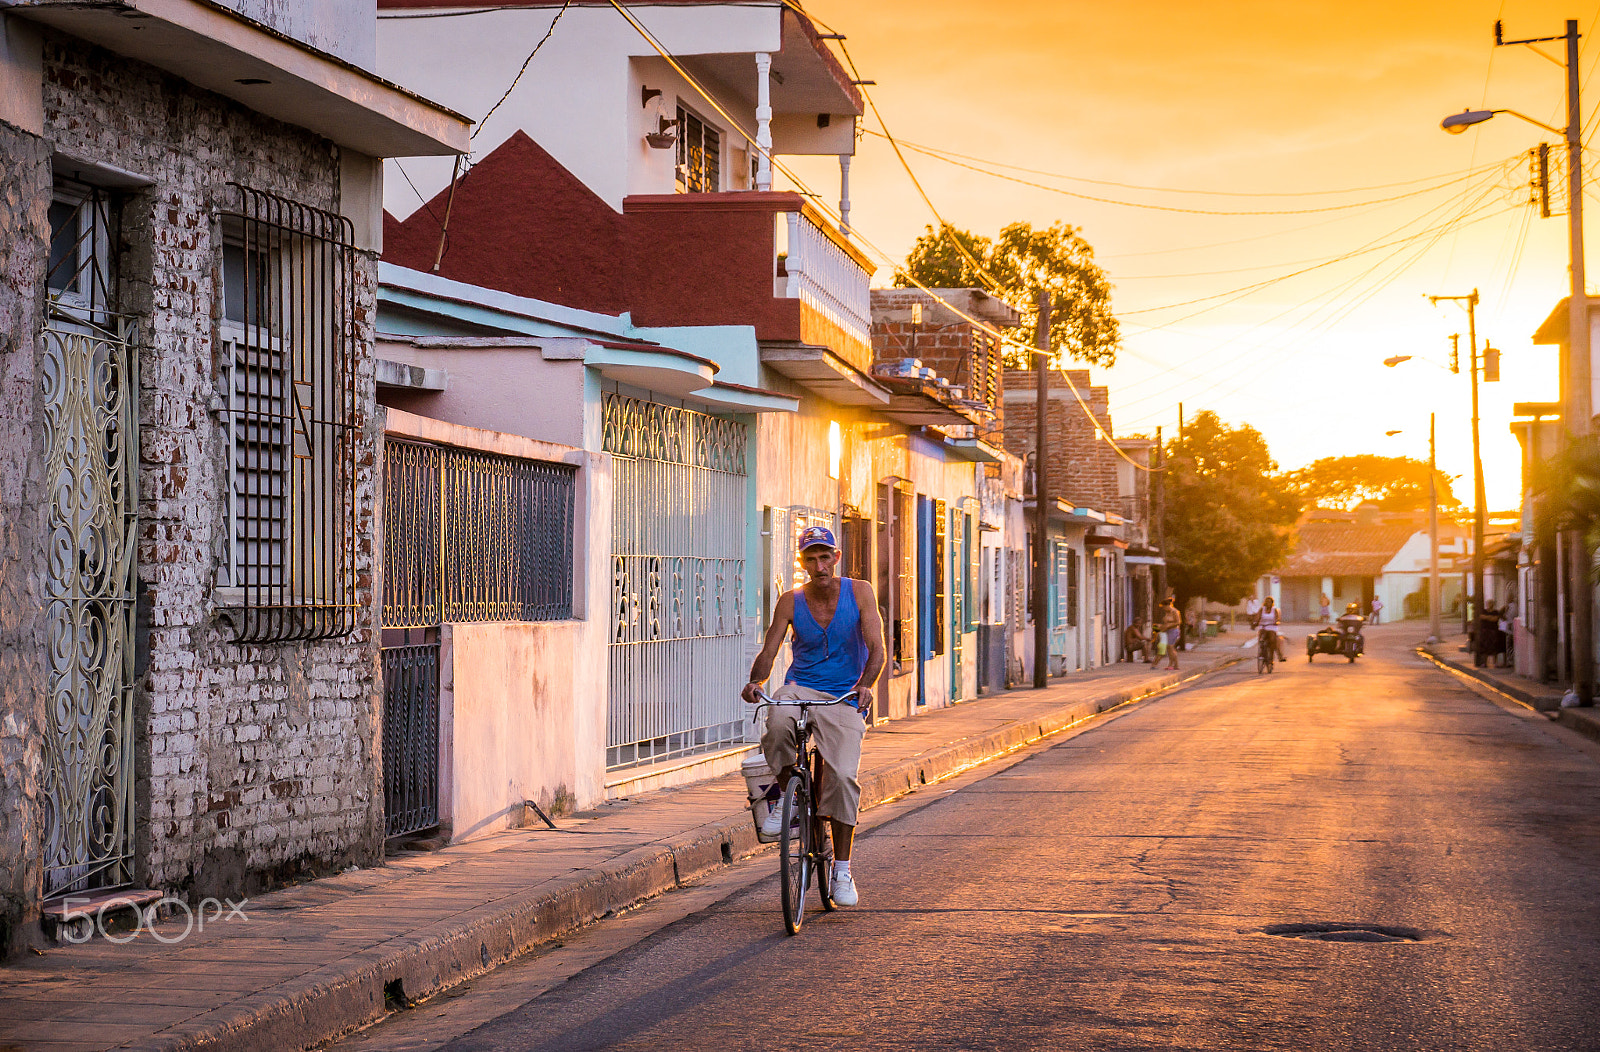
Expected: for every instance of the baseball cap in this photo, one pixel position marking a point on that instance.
(812, 536)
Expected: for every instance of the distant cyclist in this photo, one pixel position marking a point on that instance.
(837, 647)
(1269, 620)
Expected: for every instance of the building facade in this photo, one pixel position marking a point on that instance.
(189, 641)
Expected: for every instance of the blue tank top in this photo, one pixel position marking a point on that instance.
(830, 660)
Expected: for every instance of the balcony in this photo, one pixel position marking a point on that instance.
(765, 259)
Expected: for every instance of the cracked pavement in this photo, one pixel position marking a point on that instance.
(1109, 891)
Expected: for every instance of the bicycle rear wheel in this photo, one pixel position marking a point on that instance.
(794, 853)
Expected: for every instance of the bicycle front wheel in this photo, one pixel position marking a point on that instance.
(794, 853)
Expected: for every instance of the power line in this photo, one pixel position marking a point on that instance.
(520, 72)
(1345, 207)
(934, 151)
(1372, 246)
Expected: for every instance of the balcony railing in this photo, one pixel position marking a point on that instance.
(818, 268)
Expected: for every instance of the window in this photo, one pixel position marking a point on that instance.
(699, 155)
(855, 538)
(287, 352)
(1070, 556)
(80, 272)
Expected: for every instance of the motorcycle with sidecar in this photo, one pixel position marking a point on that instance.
(1343, 638)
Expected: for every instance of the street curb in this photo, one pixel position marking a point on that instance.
(1536, 700)
(354, 992)
(1585, 721)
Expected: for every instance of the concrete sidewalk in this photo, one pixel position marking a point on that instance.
(304, 964)
(1541, 697)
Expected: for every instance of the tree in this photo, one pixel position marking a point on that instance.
(1016, 266)
(1393, 483)
(1229, 515)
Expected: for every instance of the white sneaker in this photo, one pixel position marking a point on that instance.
(843, 891)
(772, 825)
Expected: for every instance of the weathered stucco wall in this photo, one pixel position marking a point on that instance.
(254, 763)
(518, 712)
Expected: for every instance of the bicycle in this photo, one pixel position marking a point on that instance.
(804, 847)
(1266, 650)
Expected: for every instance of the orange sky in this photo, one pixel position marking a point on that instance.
(1256, 98)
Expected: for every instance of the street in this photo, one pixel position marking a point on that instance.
(1119, 889)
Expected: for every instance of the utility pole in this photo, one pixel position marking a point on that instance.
(1577, 397)
(1158, 479)
(1470, 611)
(1433, 540)
(1578, 409)
(1041, 496)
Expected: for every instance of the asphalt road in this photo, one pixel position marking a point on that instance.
(1119, 890)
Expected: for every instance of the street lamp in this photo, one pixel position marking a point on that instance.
(1576, 407)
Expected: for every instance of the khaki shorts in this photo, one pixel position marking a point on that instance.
(836, 733)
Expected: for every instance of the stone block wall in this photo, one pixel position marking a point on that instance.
(24, 236)
(255, 764)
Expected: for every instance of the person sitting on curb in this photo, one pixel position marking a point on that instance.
(1134, 641)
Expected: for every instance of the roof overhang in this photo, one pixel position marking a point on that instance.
(222, 51)
(1102, 540)
(974, 449)
(650, 366)
(739, 398)
(1144, 560)
(1062, 513)
(917, 403)
(824, 374)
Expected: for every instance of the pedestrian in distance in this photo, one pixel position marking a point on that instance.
(1377, 608)
(836, 647)
(1327, 607)
(1169, 622)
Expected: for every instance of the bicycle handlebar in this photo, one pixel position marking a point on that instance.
(767, 699)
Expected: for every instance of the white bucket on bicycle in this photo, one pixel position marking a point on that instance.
(759, 781)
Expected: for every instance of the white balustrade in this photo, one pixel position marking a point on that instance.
(827, 278)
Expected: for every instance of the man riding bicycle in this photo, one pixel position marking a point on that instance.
(837, 648)
(1270, 621)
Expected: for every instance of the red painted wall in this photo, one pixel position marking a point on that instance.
(523, 224)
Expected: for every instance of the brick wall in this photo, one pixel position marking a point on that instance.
(254, 763)
(1082, 467)
(24, 197)
(955, 349)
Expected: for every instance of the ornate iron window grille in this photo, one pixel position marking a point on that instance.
(471, 536)
(289, 351)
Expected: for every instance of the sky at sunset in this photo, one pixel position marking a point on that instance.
(1326, 112)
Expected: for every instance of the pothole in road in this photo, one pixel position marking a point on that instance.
(1334, 932)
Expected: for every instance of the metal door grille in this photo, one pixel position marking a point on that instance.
(90, 449)
(89, 384)
(410, 738)
(677, 542)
